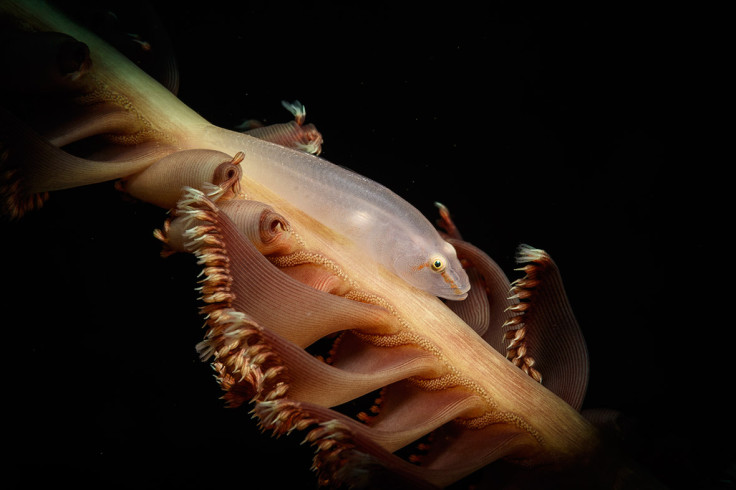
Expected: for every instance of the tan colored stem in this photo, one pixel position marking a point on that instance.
(438, 374)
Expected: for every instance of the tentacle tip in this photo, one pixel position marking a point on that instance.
(162, 235)
(15, 207)
(239, 156)
(445, 222)
(297, 109)
(313, 147)
(212, 191)
(14, 201)
(526, 253)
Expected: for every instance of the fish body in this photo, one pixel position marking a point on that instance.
(384, 225)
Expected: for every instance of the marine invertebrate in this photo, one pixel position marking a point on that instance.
(436, 376)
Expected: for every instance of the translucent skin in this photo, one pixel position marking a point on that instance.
(389, 229)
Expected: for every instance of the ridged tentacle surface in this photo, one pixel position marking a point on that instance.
(420, 394)
(280, 277)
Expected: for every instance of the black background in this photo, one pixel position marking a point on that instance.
(556, 127)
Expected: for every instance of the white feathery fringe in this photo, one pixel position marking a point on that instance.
(205, 256)
(189, 197)
(310, 147)
(195, 232)
(527, 253)
(212, 191)
(205, 350)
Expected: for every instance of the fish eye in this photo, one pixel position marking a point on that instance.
(437, 263)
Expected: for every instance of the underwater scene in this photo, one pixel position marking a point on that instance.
(541, 126)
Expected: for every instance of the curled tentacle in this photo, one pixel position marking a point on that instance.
(52, 99)
(544, 334)
(53, 87)
(437, 393)
(345, 453)
(270, 232)
(267, 230)
(333, 434)
(249, 362)
(31, 166)
(487, 281)
(250, 282)
(293, 390)
(490, 300)
(227, 176)
(293, 134)
(534, 325)
(187, 168)
(364, 370)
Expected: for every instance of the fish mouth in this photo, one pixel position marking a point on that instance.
(454, 293)
(458, 285)
(456, 296)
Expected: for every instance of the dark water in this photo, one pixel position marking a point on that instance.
(553, 128)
